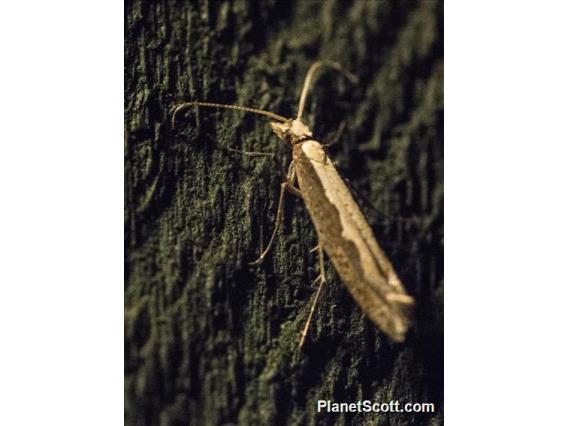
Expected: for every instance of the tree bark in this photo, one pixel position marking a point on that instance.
(211, 341)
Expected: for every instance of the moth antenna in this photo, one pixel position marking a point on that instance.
(310, 75)
(187, 105)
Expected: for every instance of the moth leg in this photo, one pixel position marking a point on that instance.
(230, 150)
(322, 280)
(316, 248)
(293, 190)
(249, 153)
(335, 136)
(284, 186)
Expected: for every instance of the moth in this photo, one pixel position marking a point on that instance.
(344, 234)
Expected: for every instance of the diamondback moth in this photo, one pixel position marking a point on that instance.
(342, 230)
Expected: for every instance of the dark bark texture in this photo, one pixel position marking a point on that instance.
(211, 341)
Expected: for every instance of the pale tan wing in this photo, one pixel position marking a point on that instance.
(349, 242)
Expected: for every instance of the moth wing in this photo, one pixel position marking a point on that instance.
(349, 242)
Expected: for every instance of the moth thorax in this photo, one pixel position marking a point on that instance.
(293, 130)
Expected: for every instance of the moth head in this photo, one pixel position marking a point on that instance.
(291, 130)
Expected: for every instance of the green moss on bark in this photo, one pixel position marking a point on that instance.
(210, 341)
